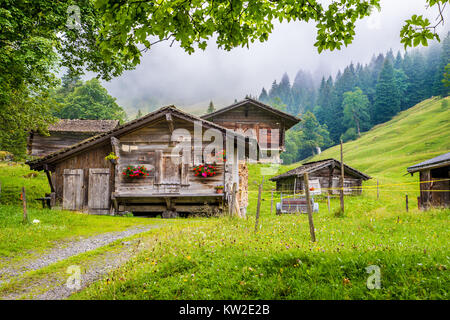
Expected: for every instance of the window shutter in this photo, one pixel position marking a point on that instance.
(184, 169)
(158, 166)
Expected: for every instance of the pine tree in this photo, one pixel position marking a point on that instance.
(376, 66)
(386, 97)
(273, 92)
(440, 87)
(398, 64)
(139, 114)
(211, 108)
(284, 93)
(324, 101)
(263, 97)
(346, 82)
(303, 92)
(356, 110)
(390, 56)
(414, 68)
(401, 81)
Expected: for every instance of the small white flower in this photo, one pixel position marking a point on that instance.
(36, 221)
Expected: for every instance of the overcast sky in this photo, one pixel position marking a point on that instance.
(168, 75)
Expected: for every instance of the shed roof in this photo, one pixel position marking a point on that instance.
(310, 167)
(38, 164)
(437, 162)
(78, 125)
(290, 119)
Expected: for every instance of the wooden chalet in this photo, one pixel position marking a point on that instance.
(434, 181)
(66, 132)
(82, 179)
(263, 123)
(324, 177)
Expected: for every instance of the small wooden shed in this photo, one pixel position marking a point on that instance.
(82, 179)
(266, 125)
(434, 181)
(66, 132)
(324, 177)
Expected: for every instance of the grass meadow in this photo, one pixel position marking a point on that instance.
(224, 258)
(227, 259)
(18, 240)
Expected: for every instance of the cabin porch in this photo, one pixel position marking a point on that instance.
(169, 205)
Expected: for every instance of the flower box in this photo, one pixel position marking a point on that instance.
(135, 172)
(205, 170)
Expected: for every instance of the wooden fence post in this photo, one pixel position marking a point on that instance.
(295, 186)
(407, 205)
(233, 199)
(258, 207)
(342, 180)
(328, 202)
(271, 203)
(308, 205)
(378, 191)
(24, 202)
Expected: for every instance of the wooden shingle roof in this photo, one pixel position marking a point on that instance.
(437, 162)
(317, 165)
(78, 125)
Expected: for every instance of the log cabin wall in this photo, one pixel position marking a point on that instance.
(39, 145)
(93, 158)
(151, 147)
(434, 186)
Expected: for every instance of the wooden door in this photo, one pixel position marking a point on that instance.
(73, 189)
(99, 191)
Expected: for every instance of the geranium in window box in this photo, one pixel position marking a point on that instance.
(219, 189)
(205, 170)
(135, 172)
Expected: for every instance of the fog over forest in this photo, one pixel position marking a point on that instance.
(168, 75)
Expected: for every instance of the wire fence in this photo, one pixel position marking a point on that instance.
(380, 187)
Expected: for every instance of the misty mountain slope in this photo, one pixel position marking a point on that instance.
(414, 135)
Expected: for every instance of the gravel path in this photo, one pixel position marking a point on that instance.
(65, 251)
(54, 286)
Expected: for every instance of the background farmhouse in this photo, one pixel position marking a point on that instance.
(258, 120)
(434, 181)
(323, 175)
(64, 133)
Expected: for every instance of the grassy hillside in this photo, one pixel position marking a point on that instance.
(227, 259)
(416, 134)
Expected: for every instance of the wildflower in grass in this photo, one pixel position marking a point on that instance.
(188, 257)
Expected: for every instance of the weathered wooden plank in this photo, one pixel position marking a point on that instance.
(99, 191)
(158, 166)
(73, 198)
